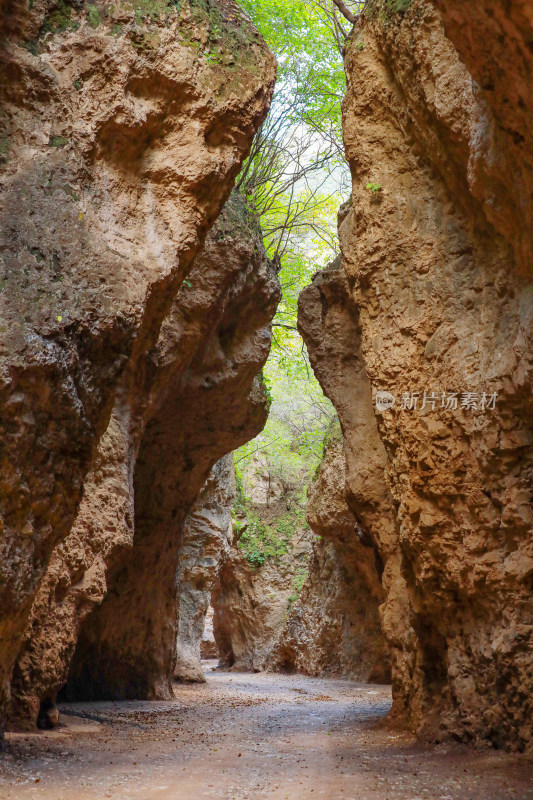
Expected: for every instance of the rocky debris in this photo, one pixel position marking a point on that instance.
(207, 536)
(438, 303)
(334, 628)
(117, 603)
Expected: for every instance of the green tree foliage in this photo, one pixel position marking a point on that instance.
(306, 37)
(295, 178)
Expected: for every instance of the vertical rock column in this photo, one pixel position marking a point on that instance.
(120, 140)
(329, 323)
(206, 400)
(437, 263)
(207, 536)
(334, 627)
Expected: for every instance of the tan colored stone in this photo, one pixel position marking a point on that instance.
(120, 144)
(207, 536)
(111, 608)
(252, 603)
(436, 268)
(334, 627)
(329, 323)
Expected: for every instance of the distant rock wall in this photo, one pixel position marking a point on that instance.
(334, 627)
(208, 645)
(120, 140)
(313, 608)
(251, 602)
(207, 536)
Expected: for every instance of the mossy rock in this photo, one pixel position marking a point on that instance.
(4, 147)
(57, 141)
(59, 19)
(93, 16)
(386, 10)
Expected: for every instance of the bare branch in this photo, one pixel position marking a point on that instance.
(345, 11)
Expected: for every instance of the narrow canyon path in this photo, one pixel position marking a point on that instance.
(248, 736)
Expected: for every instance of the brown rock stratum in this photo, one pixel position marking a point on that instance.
(207, 536)
(121, 138)
(334, 627)
(435, 296)
(203, 402)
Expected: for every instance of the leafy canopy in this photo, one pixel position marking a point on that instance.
(308, 57)
(295, 178)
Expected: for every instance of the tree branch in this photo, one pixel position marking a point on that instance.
(345, 11)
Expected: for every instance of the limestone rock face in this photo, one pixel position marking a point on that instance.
(437, 270)
(200, 400)
(494, 42)
(334, 627)
(120, 142)
(208, 645)
(207, 535)
(329, 323)
(251, 603)
(313, 608)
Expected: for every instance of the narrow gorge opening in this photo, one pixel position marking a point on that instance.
(266, 477)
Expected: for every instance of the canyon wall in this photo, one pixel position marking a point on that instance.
(122, 129)
(203, 401)
(207, 536)
(433, 304)
(251, 601)
(295, 597)
(334, 627)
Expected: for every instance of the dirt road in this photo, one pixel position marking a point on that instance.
(243, 737)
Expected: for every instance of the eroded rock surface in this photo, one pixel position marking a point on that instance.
(296, 597)
(201, 400)
(436, 262)
(120, 142)
(263, 572)
(207, 536)
(208, 645)
(334, 627)
(251, 602)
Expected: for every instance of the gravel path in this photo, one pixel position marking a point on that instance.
(247, 736)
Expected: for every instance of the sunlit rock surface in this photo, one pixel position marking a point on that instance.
(436, 273)
(120, 143)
